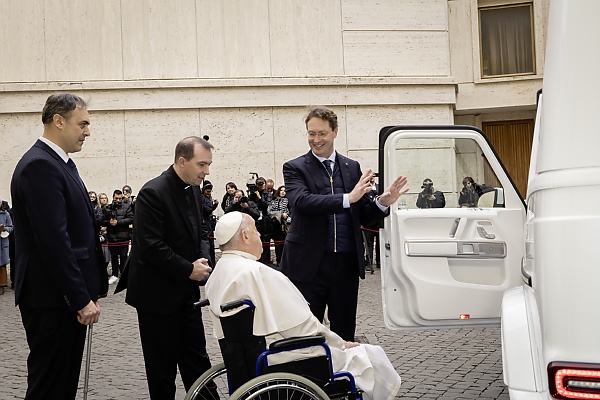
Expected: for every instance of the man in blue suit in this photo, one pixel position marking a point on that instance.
(59, 273)
(328, 197)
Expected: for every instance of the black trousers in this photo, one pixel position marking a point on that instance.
(169, 341)
(118, 258)
(371, 238)
(279, 239)
(56, 342)
(335, 286)
(265, 257)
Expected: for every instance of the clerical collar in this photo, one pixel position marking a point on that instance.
(241, 253)
(180, 183)
(321, 159)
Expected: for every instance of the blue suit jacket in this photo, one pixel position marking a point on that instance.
(58, 253)
(311, 203)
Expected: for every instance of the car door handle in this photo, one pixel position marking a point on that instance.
(483, 233)
(454, 227)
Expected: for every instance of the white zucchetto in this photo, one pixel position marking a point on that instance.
(227, 226)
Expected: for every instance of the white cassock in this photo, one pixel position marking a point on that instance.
(282, 312)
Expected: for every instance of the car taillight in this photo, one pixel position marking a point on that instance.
(574, 380)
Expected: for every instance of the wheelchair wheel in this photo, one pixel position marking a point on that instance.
(212, 385)
(279, 386)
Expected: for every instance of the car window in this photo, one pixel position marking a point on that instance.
(446, 173)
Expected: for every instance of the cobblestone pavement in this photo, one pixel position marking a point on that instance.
(433, 364)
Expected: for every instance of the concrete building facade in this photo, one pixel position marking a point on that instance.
(244, 72)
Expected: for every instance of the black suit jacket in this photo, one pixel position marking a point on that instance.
(163, 247)
(58, 255)
(311, 203)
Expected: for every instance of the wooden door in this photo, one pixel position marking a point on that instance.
(512, 141)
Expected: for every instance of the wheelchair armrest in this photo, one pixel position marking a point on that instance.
(296, 342)
(199, 304)
(232, 305)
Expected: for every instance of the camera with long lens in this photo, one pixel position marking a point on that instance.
(244, 199)
(427, 188)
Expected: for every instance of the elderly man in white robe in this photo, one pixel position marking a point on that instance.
(281, 310)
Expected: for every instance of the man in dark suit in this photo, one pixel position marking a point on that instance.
(59, 270)
(166, 265)
(328, 198)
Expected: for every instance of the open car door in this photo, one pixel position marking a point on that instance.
(449, 266)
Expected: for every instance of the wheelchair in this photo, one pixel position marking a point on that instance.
(246, 373)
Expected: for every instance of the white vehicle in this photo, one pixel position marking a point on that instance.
(534, 266)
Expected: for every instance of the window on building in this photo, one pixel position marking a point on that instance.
(506, 37)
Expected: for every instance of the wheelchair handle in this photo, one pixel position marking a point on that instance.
(199, 304)
(232, 305)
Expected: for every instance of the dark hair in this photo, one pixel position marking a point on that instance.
(97, 202)
(468, 178)
(186, 146)
(61, 104)
(261, 179)
(127, 187)
(323, 113)
(231, 184)
(117, 191)
(279, 190)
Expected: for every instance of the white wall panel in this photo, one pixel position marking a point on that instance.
(306, 38)
(150, 140)
(82, 40)
(21, 41)
(243, 140)
(233, 41)
(462, 54)
(159, 39)
(396, 53)
(394, 15)
(18, 132)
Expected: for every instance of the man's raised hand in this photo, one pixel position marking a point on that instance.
(394, 191)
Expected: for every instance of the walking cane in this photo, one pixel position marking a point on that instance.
(87, 362)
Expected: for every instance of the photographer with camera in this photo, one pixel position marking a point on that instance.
(242, 204)
(468, 195)
(429, 197)
(116, 218)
